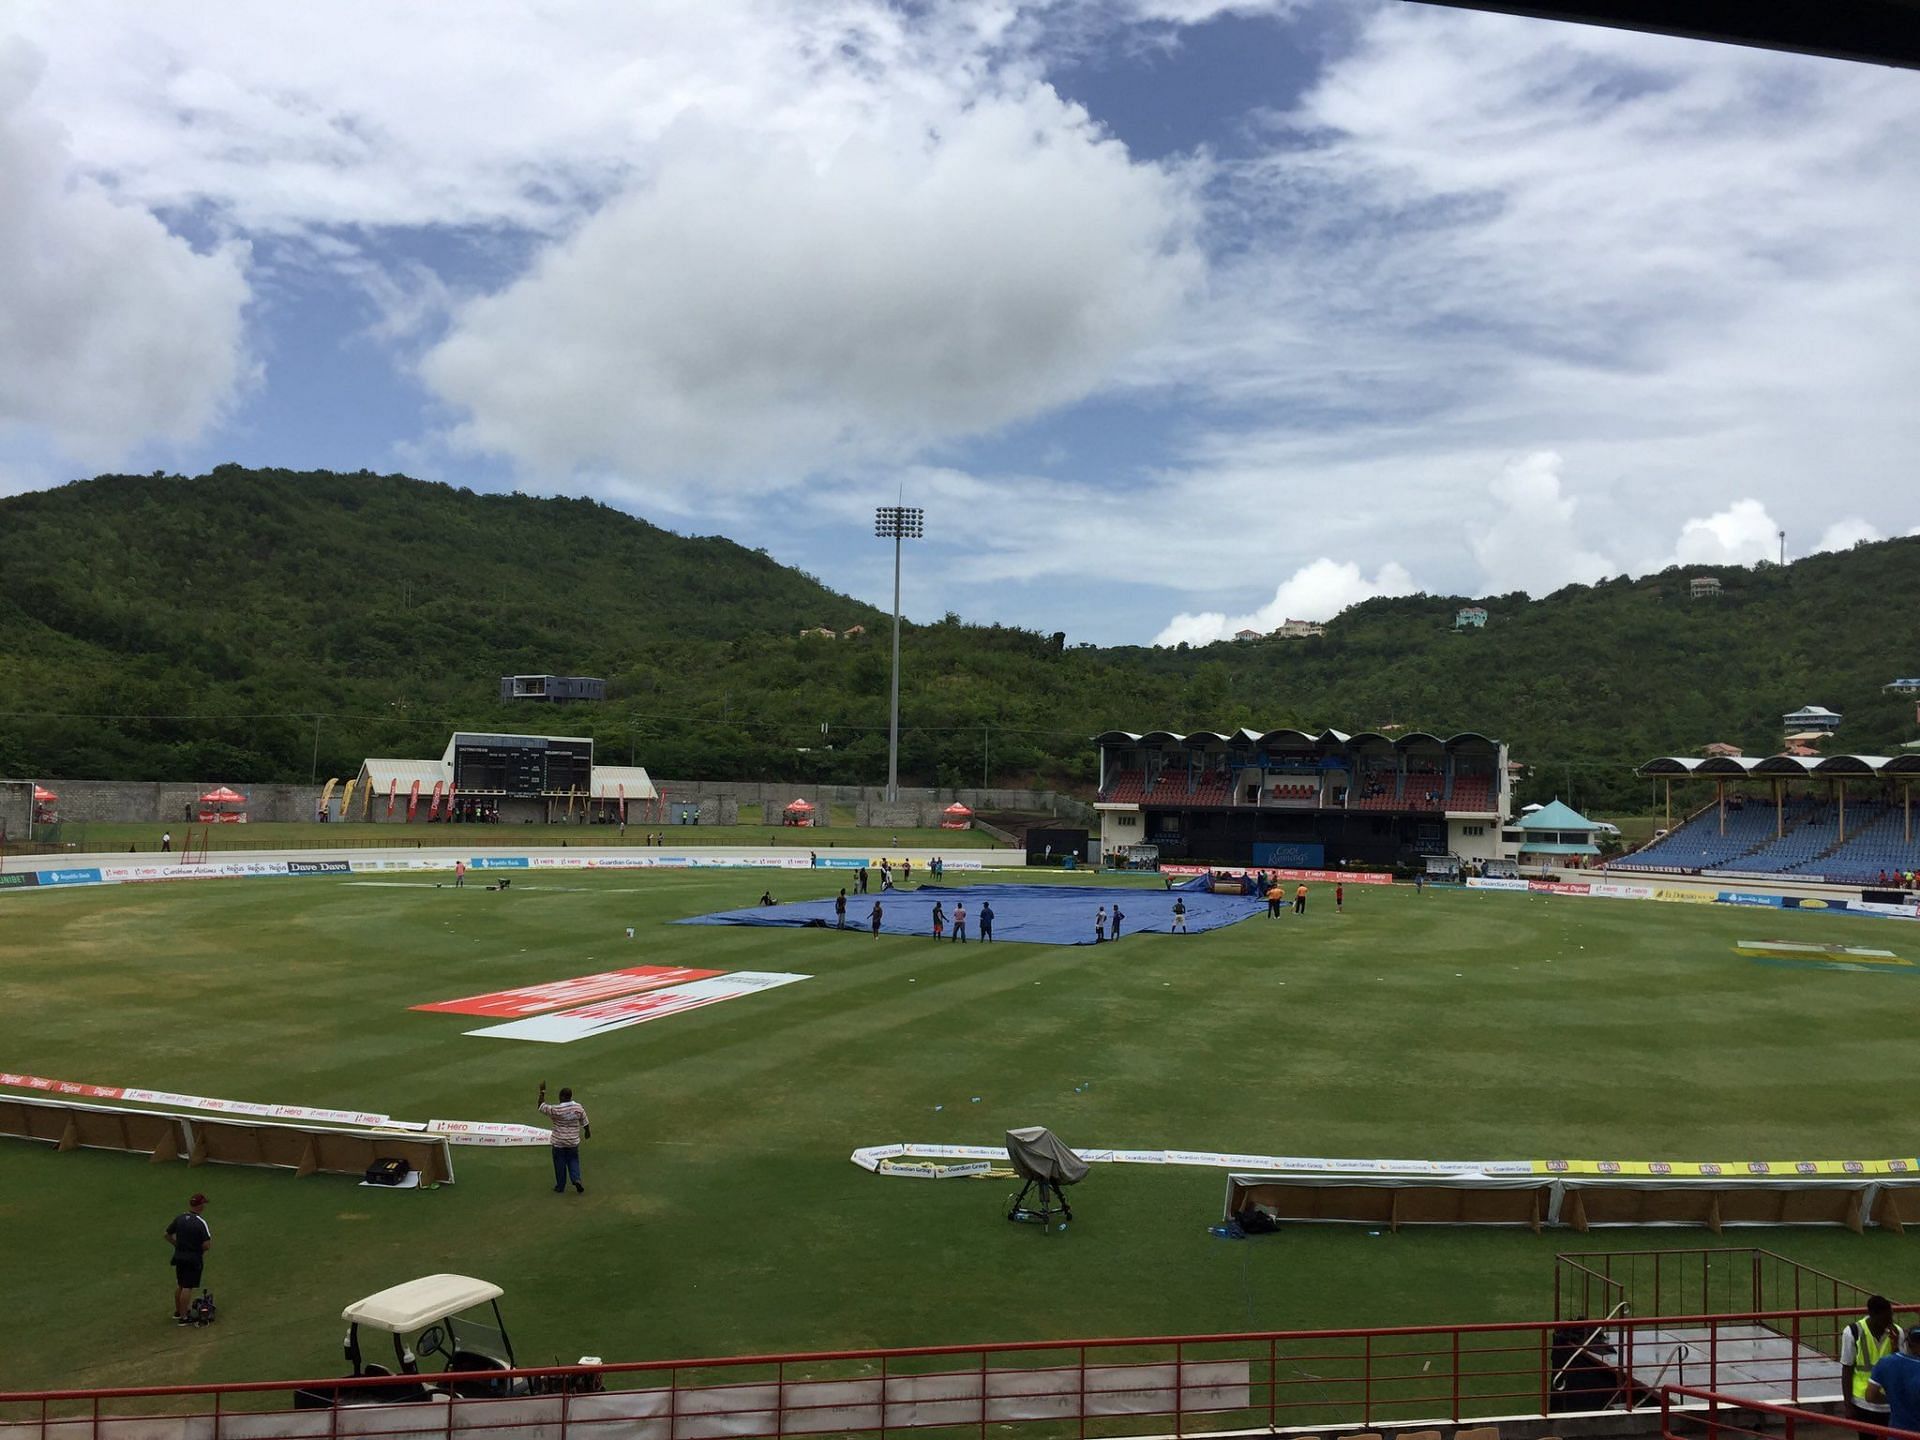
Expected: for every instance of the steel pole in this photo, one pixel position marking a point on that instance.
(893, 727)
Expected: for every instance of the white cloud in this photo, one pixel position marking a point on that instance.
(1846, 533)
(112, 330)
(749, 315)
(1316, 591)
(1532, 542)
(1739, 535)
(1684, 268)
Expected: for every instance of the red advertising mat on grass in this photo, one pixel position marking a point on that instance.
(558, 994)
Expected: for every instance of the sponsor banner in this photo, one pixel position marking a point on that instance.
(1874, 907)
(1816, 902)
(19, 879)
(590, 1020)
(1486, 882)
(559, 994)
(1685, 897)
(1742, 897)
(1656, 869)
(70, 877)
(497, 862)
(1610, 891)
(1728, 1169)
(841, 862)
(486, 1132)
(61, 1087)
(1329, 877)
(458, 1132)
(319, 867)
(927, 1170)
(1560, 887)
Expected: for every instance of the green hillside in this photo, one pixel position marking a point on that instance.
(191, 628)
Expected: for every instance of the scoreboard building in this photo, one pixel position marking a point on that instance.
(514, 778)
(1294, 800)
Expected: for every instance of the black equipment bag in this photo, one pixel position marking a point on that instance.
(388, 1172)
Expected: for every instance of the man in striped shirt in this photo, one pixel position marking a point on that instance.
(569, 1119)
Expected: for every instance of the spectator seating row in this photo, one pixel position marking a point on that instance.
(1876, 842)
(1471, 792)
(1697, 844)
(1294, 794)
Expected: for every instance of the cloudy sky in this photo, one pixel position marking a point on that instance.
(1175, 315)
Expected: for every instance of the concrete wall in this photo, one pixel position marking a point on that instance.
(165, 802)
(16, 807)
(916, 807)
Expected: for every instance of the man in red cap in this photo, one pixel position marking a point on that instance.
(191, 1238)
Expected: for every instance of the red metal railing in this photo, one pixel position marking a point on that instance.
(1699, 1280)
(1183, 1385)
(1689, 1412)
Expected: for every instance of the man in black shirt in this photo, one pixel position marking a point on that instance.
(191, 1238)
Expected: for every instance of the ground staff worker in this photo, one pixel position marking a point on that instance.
(1863, 1344)
(191, 1238)
(570, 1127)
(1896, 1383)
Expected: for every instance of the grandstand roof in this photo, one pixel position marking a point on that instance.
(1304, 737)
(1741, 766)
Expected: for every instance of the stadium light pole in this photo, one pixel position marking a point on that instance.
(896, 523)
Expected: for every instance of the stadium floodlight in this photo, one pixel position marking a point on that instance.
(897, 523)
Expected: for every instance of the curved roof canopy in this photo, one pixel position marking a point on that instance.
(1740, 767)
(1289, 735)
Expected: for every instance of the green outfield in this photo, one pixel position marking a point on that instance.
(722, 1215)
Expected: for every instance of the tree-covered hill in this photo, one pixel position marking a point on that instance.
(208, 628)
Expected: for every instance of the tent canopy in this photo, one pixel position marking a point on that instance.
(1038, 1154)
(956, 809)
(223, 795)
(801, 805)
(43, 796)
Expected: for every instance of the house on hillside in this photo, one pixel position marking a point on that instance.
(1246, 634)
(1720, 749)
(1908, 686)
(553, 689)
(1299, 630)
(1810, 717)
(1470, 617)
(819, 632)
(1703, 587)
(853, 632)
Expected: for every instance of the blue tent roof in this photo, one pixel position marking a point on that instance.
(1557, 817)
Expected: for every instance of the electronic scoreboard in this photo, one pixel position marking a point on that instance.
(524, 765)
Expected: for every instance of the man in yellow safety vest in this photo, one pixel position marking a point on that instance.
(1862, 1344)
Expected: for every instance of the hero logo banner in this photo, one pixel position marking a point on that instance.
(591, 1020)
(557, 994)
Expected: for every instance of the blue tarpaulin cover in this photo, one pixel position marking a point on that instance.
(1038, 914)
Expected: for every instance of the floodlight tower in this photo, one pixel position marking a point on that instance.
(897, 523)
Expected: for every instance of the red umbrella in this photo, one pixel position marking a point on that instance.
(223, 795)
(43, 796)
(800, 805)
(957, 809)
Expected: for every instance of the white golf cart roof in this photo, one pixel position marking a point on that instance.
(402, 1308)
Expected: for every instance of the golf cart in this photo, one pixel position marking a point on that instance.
(435, 1316)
